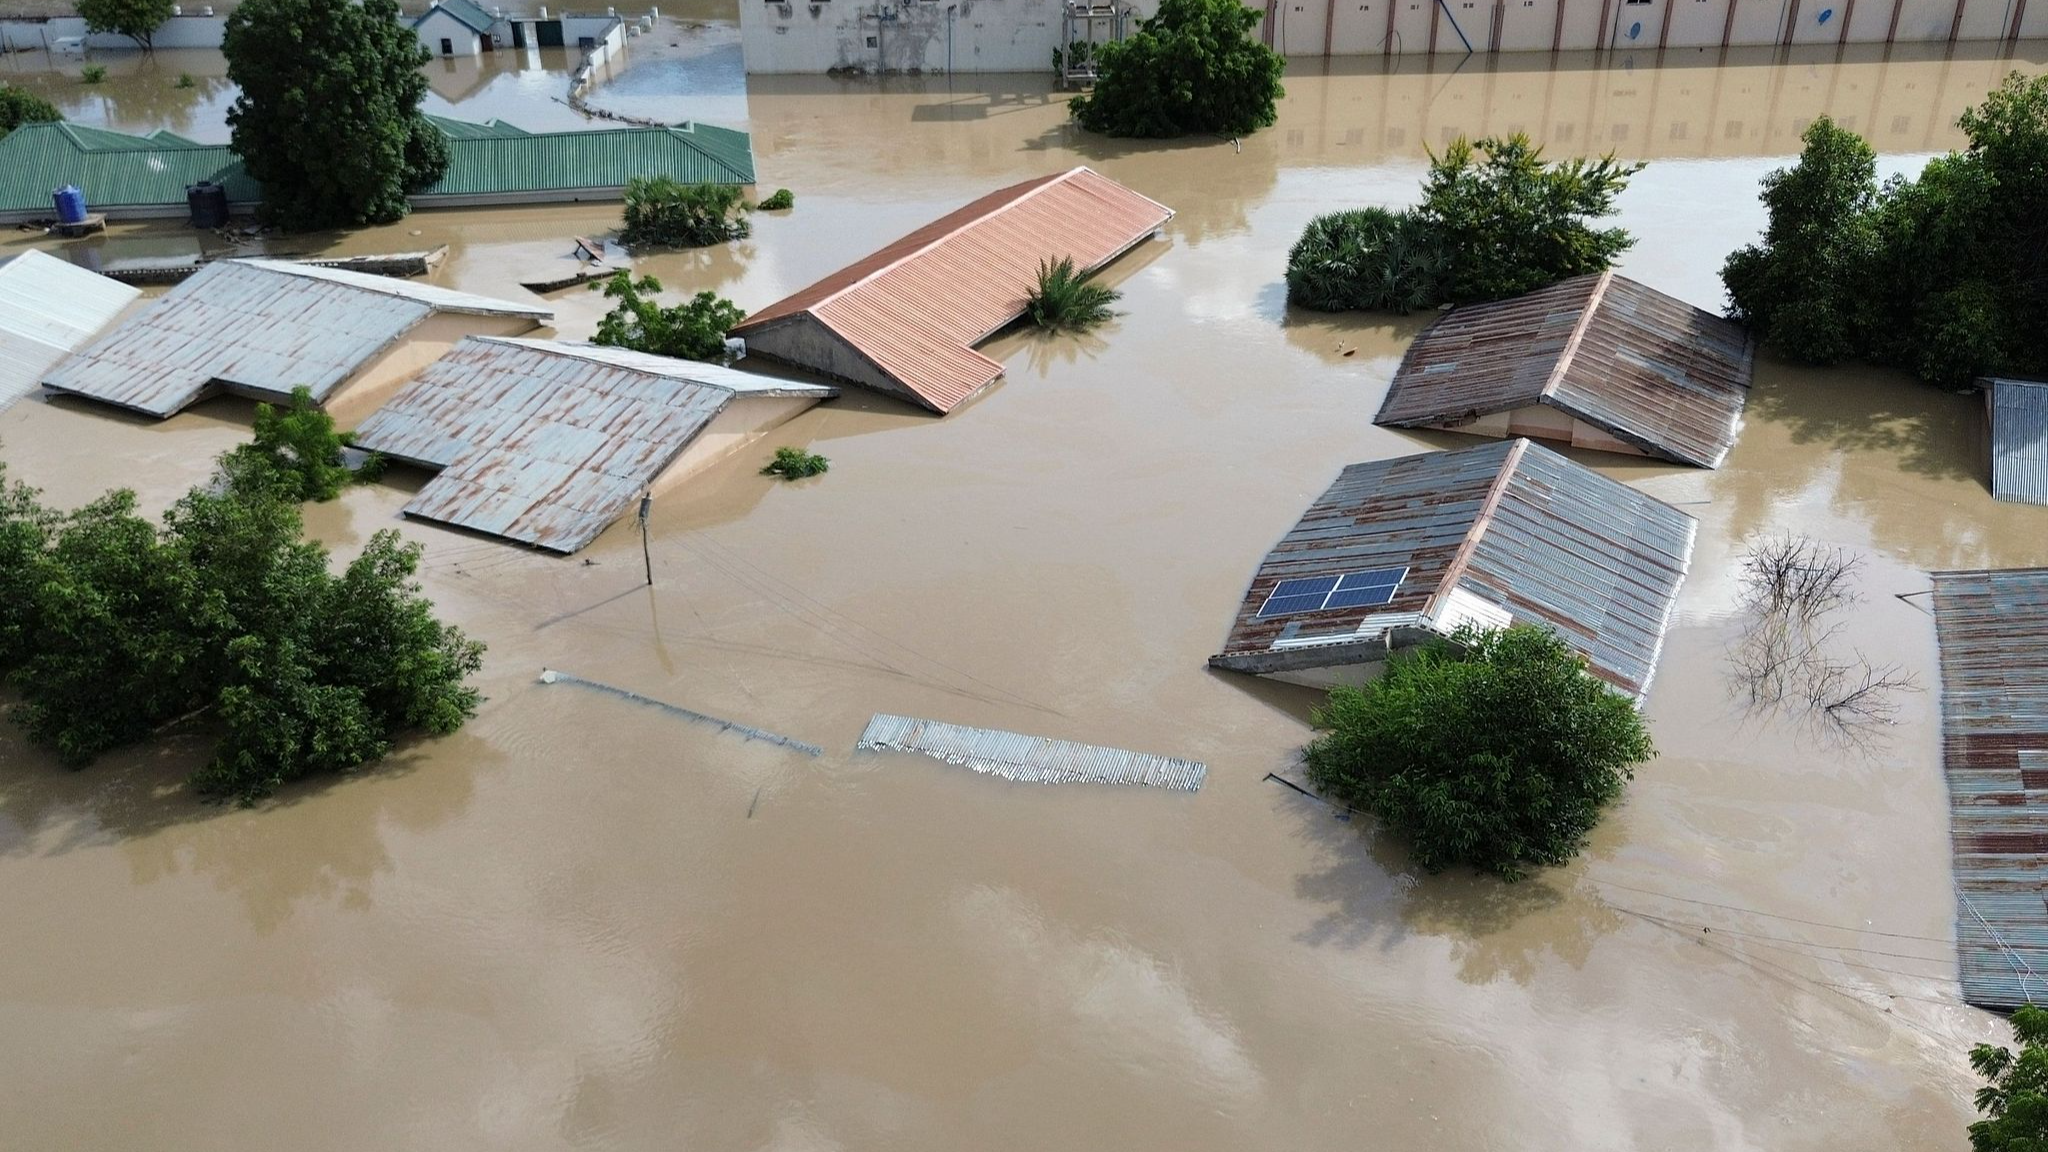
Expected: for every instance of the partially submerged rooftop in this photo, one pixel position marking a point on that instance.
(263, 327)
(2019, 439)
(547, 442)
(905, 320)
(49, 308)
(1401, 550)
(1596, 361)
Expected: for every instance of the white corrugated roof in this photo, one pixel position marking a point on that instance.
(48, 308)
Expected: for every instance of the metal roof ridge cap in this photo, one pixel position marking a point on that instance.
(574, 350)
(307, 271)
(1571, 346)
(1462, 559)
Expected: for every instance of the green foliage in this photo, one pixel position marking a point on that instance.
(1065, 301)
(1941, 275)
(1495, 750)
(664, 211)
(782, 200)
(184, 80)
(328, 118)
(136, 19)
(92, 74)
(2014, 1100)
(19, 106)
(692, 331)
(1193, 67)
(114, 629)
(296, 453)
(1496, 220)
(795, 464)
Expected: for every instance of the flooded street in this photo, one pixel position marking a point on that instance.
(585, 923)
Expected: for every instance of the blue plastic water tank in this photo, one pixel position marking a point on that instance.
(70, 205)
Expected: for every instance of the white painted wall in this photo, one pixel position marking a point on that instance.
(437, 26)
(177, 32)
(912, 35)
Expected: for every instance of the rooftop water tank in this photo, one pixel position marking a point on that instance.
(70, 205)
(209, 204)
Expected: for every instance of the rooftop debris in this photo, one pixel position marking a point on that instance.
(551, 676)
(1030, 759)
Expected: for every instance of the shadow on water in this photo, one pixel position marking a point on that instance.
(1858, 409)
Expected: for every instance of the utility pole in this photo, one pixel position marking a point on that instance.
(646, 557)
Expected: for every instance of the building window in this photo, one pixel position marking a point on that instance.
(447, 47)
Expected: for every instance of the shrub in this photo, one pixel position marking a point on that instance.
(184, 80)
(663, 211)
(92, 74)
(2014, 1099)
(1365, 258)
(692, 331)
(19, 106)
(1496, 750)
(795, 464)
(1064, 301)
(1192, 67)
(296, 453)
(782, 200)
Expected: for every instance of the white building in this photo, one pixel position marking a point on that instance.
(460, 28)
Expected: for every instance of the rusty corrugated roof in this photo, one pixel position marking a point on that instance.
(916, 308)
(1513, 525)
(1648, 368)
(261, 327)
(547, 442)
(1992, 631)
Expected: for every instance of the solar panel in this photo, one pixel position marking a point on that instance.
(1323, 593)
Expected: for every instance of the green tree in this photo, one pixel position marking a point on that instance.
(1192, 67)
(2014, 1099)
(136, 19)
(328, 118)
(19, 106)
(297, 449)
(666, 212)
(1066, 301)
(1368, 259)
(694, 330)
(1496, 750)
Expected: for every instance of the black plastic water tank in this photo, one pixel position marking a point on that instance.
(209, 204)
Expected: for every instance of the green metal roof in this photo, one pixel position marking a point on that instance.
(564, 161)
(473, 17)
(113, 169)
(471, 130)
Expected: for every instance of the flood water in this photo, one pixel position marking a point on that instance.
(582, 923)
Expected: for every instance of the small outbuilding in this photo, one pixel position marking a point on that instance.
(260, 328)
(2019, 439)
(1595, 362)
(49, 308)
(1400, 551)
(547, 442)
(457, 28)
(904, 321)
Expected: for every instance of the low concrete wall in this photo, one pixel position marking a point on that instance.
(42, 35)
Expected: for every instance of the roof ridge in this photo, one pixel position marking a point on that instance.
(1481, 521)
(574, 350)
(1571, 345)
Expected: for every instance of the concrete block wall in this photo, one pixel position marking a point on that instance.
(190, 31)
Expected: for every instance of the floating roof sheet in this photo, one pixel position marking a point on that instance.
(1508, 532)
(547, 442)
(915, 309)
(1031, 759)
(261, 327)
(467, 14)
(1649, 369)
(48, 309)
(2019, 440)
(1992, 630)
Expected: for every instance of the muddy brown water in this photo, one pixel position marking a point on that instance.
(585, 923)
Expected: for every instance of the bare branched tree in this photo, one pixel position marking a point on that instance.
(1796, 577)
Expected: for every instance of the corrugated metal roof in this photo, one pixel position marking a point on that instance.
(1992, 630)
(1031, 759)
(467, 14)
(114, 170)
(504, 164)
(546, 442)
(48, 309)
(259, 326)
(2019, 440)
(475, 130)
(1650, 369)
(1513, 525)
(916, 308)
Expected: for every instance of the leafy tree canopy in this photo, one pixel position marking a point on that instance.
(1945, 275)
(1495, 750)
(2014, 1099)
(1496, 220)
(328, 118)
(1192, 67)
(691, 331)
(296, 452)
(136, 19)
(19, 106)
(663, 211)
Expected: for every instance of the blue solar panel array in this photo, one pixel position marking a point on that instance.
(1322, 593)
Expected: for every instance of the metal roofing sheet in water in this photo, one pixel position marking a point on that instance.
(1992, 631)
(2019, 440)
(48, 308)
(261, 326)
(545, 442)
(1513, 524)
(1030, 759)
(1651, 370)
(916, 307)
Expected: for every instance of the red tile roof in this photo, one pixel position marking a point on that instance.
(916, 308)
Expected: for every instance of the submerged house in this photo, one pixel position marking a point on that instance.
(904, 321)
(2019, 439)
(459, 28)
(49, 308)
(1594, 361)
(260, 328)
(547, 443)
(1400, 551)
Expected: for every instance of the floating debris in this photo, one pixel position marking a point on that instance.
(1030, 759)
(550, 676)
